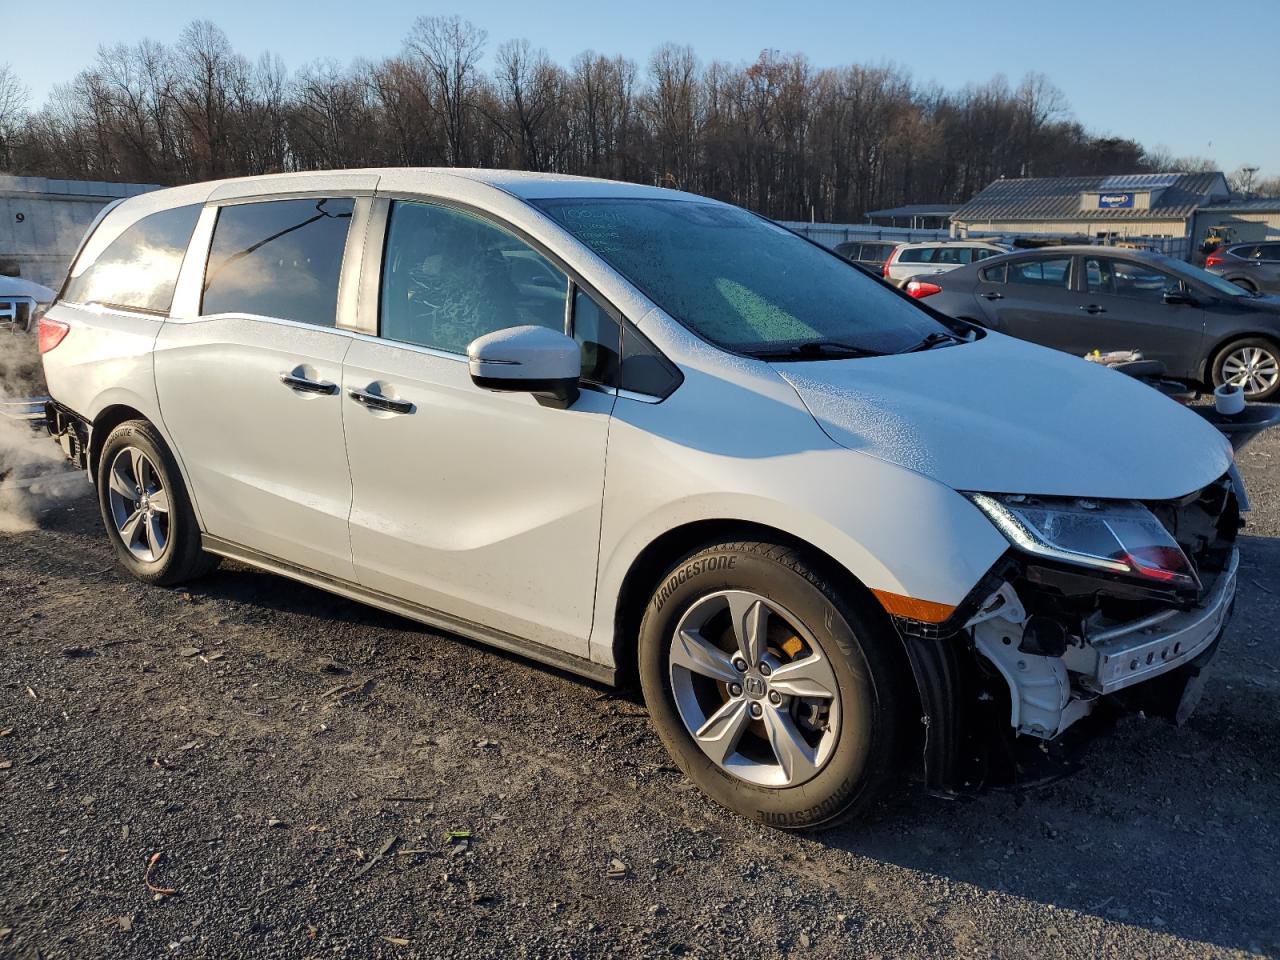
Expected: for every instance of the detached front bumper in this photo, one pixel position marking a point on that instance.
(1118, 657)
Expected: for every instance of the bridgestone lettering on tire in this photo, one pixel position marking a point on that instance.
(776, 693)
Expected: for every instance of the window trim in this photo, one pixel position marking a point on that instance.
(374, 254)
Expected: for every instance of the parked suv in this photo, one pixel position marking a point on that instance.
(1253, 266)
(868, 254)
(628, 431)
(937, 256)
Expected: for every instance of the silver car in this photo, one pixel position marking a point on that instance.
(937, 256)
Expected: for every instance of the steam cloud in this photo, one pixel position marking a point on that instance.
(32, 469)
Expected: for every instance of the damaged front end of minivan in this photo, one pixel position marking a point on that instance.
(1098, 608)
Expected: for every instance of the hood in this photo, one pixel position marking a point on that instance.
(1002, 416)
(17, 287)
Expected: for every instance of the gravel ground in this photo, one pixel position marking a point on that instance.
(292, 765)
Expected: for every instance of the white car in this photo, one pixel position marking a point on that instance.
(630, 432)
(21, 302)
(926, 257)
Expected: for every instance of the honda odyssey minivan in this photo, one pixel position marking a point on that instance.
(838, 538)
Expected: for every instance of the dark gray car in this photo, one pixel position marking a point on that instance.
(1203, 328)
(1254, 266)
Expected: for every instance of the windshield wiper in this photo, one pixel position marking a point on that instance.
(935, 339)
(817, 350)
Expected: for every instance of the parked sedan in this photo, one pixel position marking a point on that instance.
(1203, 328)
(1254, 266)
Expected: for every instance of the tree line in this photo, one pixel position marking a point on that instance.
(778, 135)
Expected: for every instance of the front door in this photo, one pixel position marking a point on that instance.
(482, 505)
(248, 388)
(1125, 309)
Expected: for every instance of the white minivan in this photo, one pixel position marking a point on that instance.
(837, 538)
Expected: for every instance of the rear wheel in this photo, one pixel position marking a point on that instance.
(1252, 364)
(1245, 284)
(146, 510)
(775, 693)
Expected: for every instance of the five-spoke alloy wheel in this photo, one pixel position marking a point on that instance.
(145, 507)
(776, 688)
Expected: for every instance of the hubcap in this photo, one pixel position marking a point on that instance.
(774, 723)
(1253, 369)
(139, 504)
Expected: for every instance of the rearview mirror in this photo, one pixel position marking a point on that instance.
(527, 359)
(1179, 298)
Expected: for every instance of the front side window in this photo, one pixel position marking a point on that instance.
(739, 281)
(600, 339)
(1126, 278)
(1041, 273)
(449, 277)
(1269, 251)
(278, 258)
(139, 269)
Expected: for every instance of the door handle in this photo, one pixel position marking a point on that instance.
(375, 402)
(303, 385)
(992, 295)
(1093, 308)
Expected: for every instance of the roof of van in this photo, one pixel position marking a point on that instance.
(517, 183)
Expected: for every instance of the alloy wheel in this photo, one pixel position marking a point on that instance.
(139, 504)
(755, 689)
(1254, 369)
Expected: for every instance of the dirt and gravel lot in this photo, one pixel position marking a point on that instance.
(311, 778)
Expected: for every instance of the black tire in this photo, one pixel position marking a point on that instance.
(182, 558)
(858, 642)
(1260, 343)
(1244, 284)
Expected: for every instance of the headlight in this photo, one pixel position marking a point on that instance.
(1120, 537)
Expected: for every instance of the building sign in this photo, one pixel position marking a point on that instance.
(1115, 201)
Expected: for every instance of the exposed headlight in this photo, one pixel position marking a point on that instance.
(1120, 537)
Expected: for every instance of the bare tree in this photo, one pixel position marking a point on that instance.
(449, 48)
(13, 108)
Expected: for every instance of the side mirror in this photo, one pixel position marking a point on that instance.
(527, 359)
(1179, 298)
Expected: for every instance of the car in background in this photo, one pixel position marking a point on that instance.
(870, 255)
(22, 302)
(937, 256)
(1203, 328)
(1254, 266)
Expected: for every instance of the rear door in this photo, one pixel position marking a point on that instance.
(1269, 267)
(484, 506)
(248, 380)
(1124, 309)
(1034, 302)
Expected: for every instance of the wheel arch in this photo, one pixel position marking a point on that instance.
(121, 411)
(1211, 355)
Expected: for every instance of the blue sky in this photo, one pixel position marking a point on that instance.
(1131, 68)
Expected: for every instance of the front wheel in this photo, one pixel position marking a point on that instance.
(146, 510)
(774, 692)
(1252, 364)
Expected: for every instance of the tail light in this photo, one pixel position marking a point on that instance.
(51, 333)
(1214, 260)
(921, 289)
(884, 272)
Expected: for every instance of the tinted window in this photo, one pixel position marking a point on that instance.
(981, 253)
(738, 280)
(139, 269)
(278, 258)
(601, 340)
(1270, 251)
(1043, 273)
(449, 277)
(1247, 253)
(1125, 278)
(994, 274)
(917, 255)
(954, 255)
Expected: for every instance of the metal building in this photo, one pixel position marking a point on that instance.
(42, 222)
(1100, 208)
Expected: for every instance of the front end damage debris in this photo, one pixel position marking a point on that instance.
(1041, 655)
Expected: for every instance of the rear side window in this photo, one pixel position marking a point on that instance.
(917, 255)
(1247, 253)
(278, 258)
(995, 274)
(1041, 273)
(1269, 251)
(139, 269)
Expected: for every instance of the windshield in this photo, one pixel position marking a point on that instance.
(744, 283)
(1224, 288)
